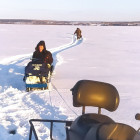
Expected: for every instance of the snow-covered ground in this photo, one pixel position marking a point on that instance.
(107, 54)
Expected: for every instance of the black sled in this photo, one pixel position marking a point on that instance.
(93, 126)
(37, 75)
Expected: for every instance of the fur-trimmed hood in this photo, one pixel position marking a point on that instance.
(41, 43)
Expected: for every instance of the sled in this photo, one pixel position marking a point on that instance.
(93, 126)
(37, 75)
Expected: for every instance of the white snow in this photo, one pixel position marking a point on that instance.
(107, 54)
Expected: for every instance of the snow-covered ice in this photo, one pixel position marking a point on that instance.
(108, 54)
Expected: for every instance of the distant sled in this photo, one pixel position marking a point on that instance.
(37, 75)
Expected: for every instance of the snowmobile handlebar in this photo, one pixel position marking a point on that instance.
(137, 116)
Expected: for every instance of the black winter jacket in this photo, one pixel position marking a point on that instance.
(45, 56)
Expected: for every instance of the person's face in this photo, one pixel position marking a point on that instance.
(41, 48)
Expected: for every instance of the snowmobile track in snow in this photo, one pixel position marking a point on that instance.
(36, 104)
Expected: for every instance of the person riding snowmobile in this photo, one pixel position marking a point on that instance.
(39, 70)
(78, 33)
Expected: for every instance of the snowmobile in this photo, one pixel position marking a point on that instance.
(93, 126)
(37, 75)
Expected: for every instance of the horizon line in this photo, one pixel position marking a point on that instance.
(70, 20)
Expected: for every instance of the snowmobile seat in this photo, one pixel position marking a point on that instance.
(94, 93)
(94, 126)
(84, 123)
(111, 131)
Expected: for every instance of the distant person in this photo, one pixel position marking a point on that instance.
(42, 54)
(78, 33)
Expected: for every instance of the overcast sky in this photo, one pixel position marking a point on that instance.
(93, 10)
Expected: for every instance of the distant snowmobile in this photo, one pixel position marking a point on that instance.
(93, 126)
(37, 75)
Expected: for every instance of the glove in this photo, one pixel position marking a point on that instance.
(49, 66)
